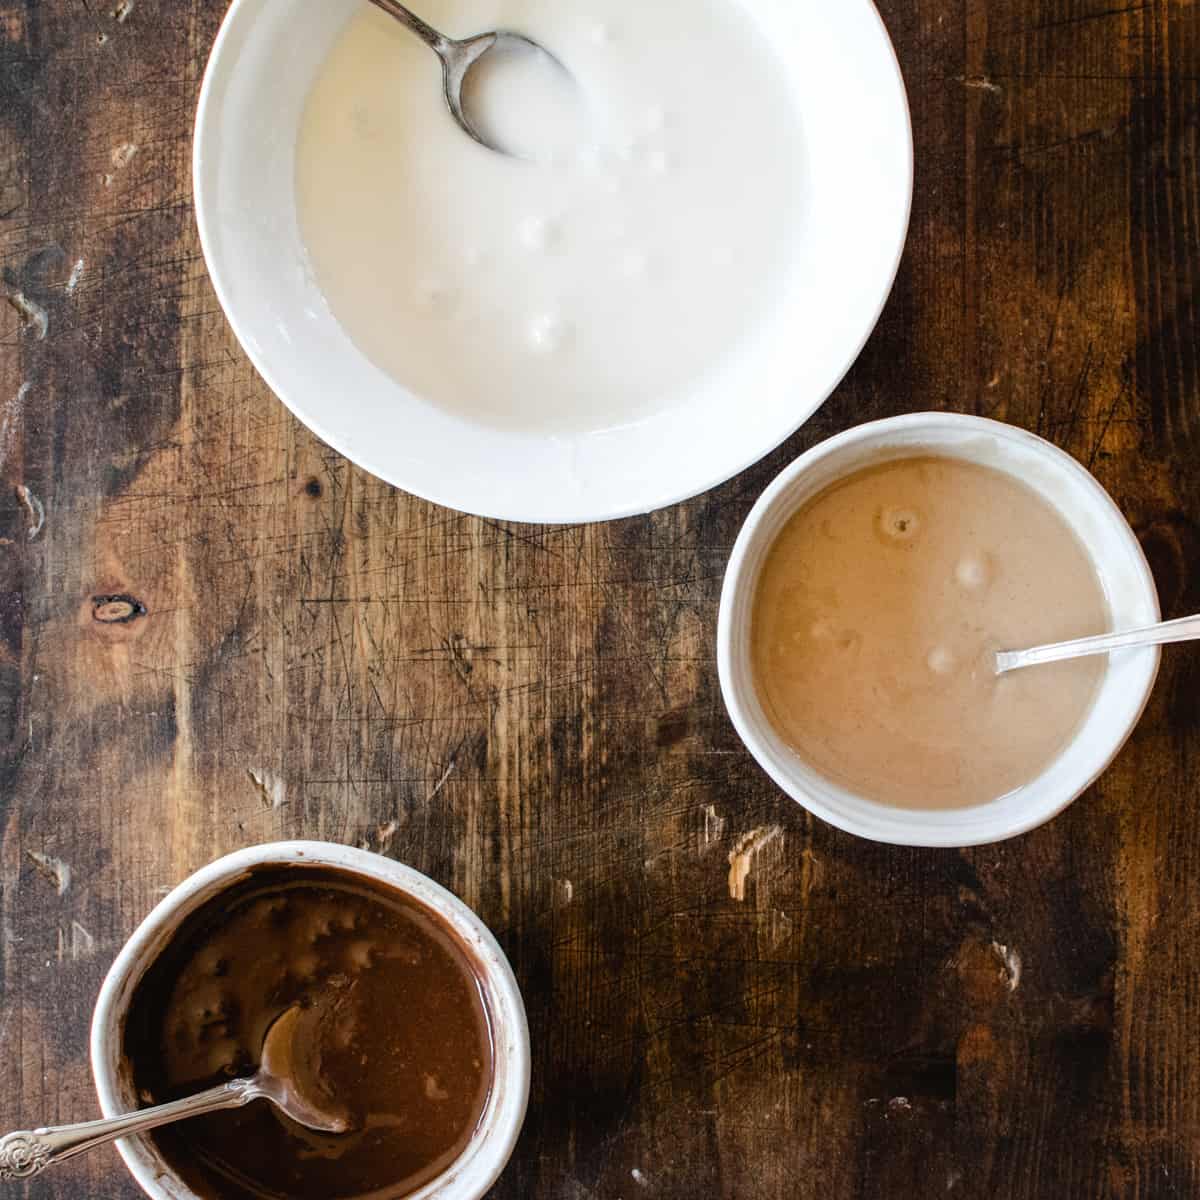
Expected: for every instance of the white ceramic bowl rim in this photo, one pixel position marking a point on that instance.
(859, 138)
(480, 1164)
(1125, 574)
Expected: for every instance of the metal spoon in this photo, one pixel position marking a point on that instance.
(459, 57)
(28, 1153)
(1186, 629)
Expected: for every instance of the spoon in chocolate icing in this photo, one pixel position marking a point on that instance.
(283, 1079)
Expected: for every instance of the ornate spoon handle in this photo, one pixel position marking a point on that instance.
(29, 1152)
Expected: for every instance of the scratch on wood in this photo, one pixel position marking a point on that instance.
(53, 870)
(564, 890)
(441, 783)
(741, 857)
(980, 83)
(14, 414)
(714, 825)
(575, 1190)
(271, 788)
(381, 839)
(123, 155)
(780, 927)
(33, 315)
(1010, 961)
(83, 945)
(36, 510)
(812, 870)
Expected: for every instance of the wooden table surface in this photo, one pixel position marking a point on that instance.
(531, 715)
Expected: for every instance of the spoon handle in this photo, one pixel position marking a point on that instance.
(1186, 629)
(29, 1152)
(410, 20)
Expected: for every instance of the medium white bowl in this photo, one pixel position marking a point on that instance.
(485, 1156)
(1105, 534)
(854, 114)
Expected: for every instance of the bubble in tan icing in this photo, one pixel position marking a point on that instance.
(899, 524)
(973, 572)
(941, 660)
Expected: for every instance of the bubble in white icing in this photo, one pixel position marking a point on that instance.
(634, 264)
(437, 299)
(542, 234)
(549, 333)
(590, 157)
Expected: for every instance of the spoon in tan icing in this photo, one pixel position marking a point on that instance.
(1186, 629)
(460, 57)
(28, 1153)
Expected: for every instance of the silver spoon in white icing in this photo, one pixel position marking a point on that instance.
(1186, 629)
(460, 57)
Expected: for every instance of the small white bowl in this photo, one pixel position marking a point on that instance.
(480, 1164)
(853, 110)
(1098, 523)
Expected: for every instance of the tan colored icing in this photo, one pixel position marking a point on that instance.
(876, 617)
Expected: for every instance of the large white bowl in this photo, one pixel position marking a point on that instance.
(851, 102)
(1124, 574)
(472, 1174)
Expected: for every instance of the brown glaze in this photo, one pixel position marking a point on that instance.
(398, 1036)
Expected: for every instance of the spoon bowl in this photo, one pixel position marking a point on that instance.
(459, 58)
(286, 1078)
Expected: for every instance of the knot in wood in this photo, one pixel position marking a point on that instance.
(117, 610)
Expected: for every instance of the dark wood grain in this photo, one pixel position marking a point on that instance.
(215, 632)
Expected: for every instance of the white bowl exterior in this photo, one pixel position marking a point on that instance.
(470, 1177)
(854, 115)
(1106, 535)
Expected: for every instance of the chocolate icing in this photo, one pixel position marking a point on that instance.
(401, 1037)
